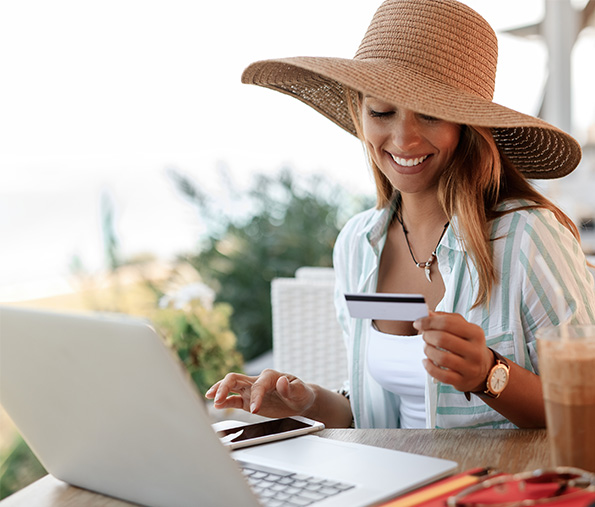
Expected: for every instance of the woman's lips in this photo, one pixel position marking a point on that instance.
(409, 161)
(409, 165)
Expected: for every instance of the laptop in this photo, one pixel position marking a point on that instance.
(105, 405)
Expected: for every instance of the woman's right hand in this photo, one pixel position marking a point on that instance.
(271, 394)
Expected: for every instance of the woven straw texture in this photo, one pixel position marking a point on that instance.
(436, 57)
(307, 339)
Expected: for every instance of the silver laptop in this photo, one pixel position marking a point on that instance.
(106, 406)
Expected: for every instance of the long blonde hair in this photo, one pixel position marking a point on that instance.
(477, 180)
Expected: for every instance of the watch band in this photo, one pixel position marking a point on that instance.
(499, 359)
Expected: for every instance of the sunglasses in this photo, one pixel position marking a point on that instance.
(527, 489)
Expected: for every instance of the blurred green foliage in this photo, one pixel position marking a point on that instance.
(284, 224)
(202, 339)
(18, 467)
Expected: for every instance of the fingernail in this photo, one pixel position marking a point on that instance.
(252, 408)
(416, 324)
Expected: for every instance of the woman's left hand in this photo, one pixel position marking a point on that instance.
(456, 350)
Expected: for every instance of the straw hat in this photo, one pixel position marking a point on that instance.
(436, 57)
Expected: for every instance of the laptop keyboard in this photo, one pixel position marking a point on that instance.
(275, 487)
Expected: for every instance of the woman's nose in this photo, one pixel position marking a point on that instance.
(406, 132)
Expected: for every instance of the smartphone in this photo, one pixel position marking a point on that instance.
(267, 431)
(381, 306)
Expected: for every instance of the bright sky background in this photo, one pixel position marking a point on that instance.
(105, 96)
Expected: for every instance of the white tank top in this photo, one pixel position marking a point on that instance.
(395, 363)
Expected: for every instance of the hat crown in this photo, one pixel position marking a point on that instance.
(444, 40)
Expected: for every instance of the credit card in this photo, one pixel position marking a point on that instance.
(408, 307)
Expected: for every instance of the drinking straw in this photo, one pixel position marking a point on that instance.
(559, 293)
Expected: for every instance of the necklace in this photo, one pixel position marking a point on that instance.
(423, 265)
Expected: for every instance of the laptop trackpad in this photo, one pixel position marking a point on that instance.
(306, 454)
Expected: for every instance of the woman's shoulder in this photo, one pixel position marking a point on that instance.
(524, 226)
(516, 215)
(522, 207)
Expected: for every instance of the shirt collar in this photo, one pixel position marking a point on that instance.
(375, 231)
(378, 225)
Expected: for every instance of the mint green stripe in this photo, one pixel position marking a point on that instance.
(486, 314)
(546, 303)
(448, 389)
(501, 338)
(356, 396)
(472, 285)
(530, 322)
(575, 248)
(460, 285)
(451, 259)
(471, 410)
(528, 317)
(485, 309)
(506, 271)
(494, 425)
(528, 365)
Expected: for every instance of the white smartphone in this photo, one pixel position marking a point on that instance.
(267, 431)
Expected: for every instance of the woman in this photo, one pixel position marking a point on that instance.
(450, 168)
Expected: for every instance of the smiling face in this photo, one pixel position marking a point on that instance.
(409, 148)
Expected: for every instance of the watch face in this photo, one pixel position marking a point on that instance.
(498, 379)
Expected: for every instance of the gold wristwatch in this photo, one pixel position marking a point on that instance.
(497, 378)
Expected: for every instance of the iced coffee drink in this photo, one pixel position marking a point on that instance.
(567, 371)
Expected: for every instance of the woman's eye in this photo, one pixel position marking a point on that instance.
(379, 114)
(429, 118)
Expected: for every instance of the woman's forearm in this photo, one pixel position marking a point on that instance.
(330, 407)
(522, 400)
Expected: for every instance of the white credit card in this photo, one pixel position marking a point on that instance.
(407, 307)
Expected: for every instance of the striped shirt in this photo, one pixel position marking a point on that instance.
(522, 302)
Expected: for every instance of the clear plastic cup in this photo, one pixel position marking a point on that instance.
(567, 372)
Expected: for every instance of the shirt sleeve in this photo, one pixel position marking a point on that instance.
(557, 286)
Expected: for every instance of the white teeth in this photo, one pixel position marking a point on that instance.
(409, 162)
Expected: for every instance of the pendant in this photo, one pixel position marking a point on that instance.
(427, 270)
(427, 266)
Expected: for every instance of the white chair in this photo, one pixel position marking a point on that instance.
(315, 273)
(307, 339)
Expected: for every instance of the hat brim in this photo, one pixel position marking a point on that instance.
(538, 149)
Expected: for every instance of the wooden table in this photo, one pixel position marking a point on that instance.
(506, 450)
